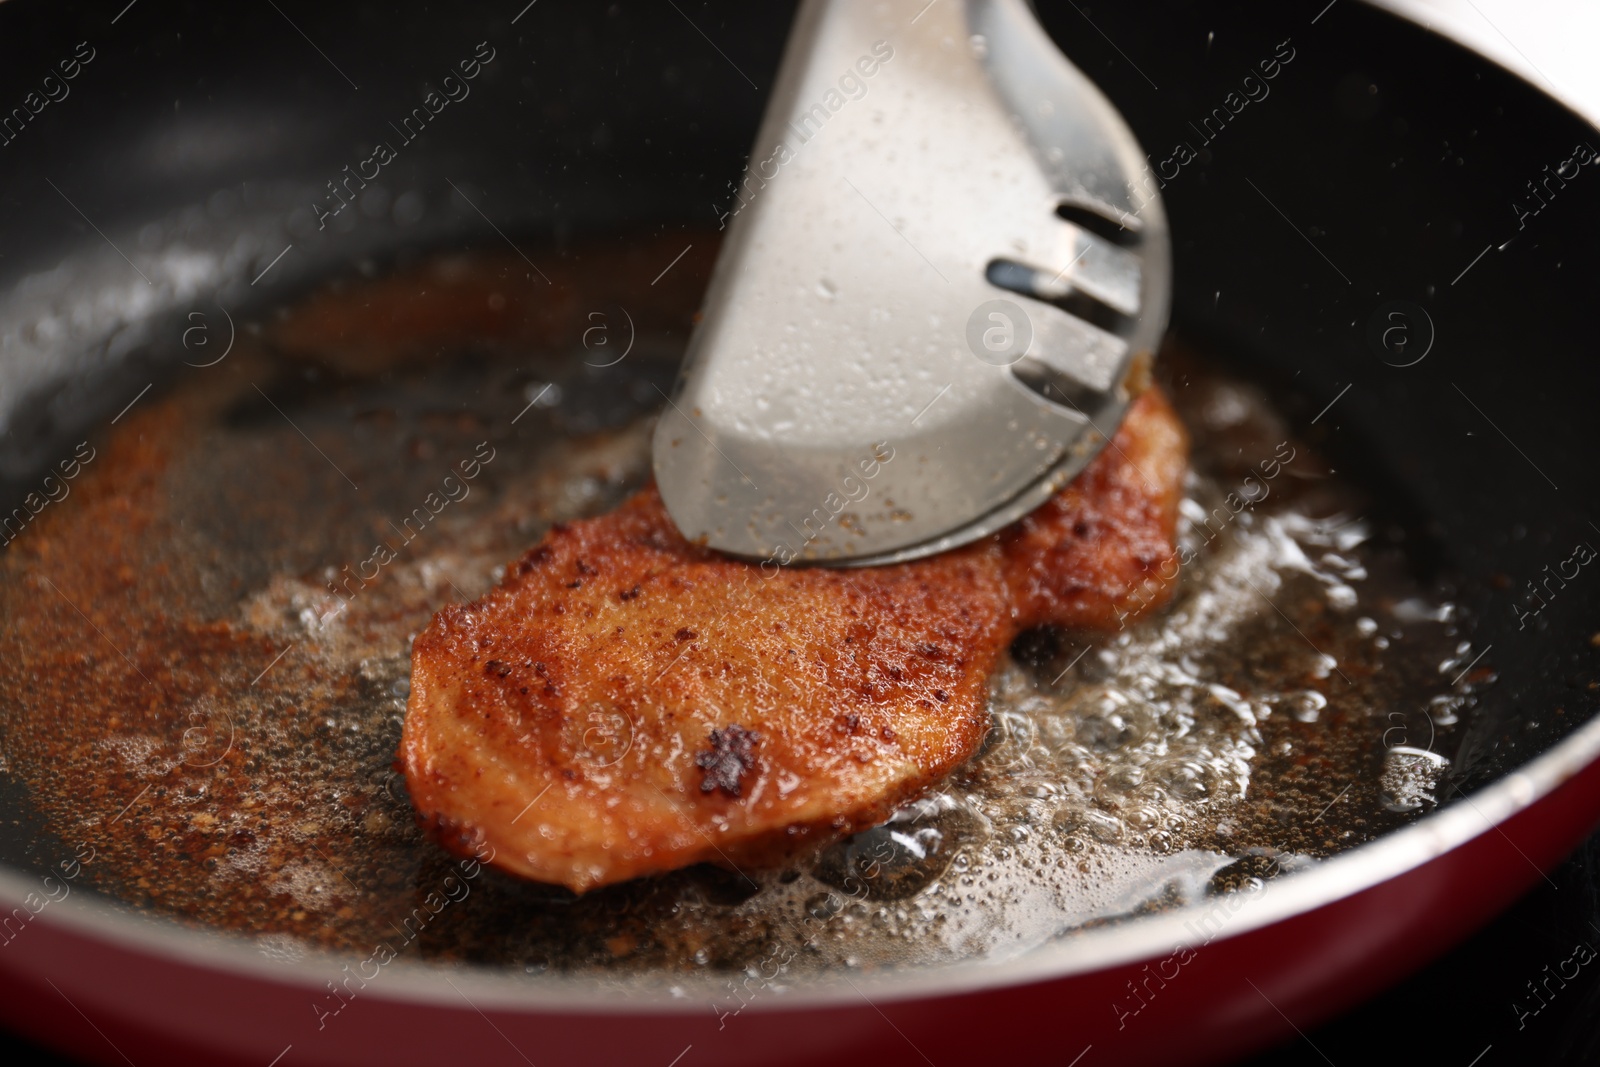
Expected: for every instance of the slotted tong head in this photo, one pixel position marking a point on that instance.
(944, 267)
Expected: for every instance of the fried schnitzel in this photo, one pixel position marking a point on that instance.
(625, 702)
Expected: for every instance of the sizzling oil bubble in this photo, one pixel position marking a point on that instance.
(903, 857)
(1410, 777)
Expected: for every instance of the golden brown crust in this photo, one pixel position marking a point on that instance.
(1092, 554)
(625, 703)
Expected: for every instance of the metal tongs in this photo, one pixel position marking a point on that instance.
(945, 266)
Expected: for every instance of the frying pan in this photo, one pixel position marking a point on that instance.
(1386, 173)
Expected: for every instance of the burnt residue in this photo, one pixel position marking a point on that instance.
(730, 754)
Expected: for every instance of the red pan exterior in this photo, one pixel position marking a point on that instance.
(1235, 994)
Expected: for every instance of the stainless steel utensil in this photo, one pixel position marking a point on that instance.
(946, 259)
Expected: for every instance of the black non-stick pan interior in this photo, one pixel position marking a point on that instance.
(1366, 230)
